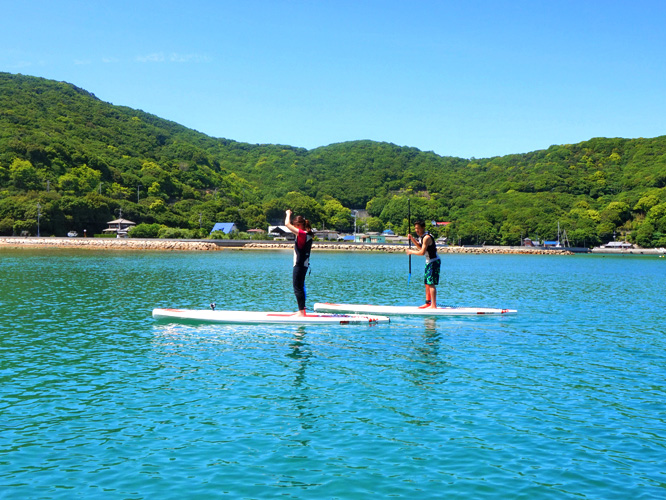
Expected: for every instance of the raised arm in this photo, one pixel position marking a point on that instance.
(287, 222)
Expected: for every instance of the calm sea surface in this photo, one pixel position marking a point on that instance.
(566, 399)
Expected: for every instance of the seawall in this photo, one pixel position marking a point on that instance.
(629, 251)
(108, 243)
(378, 247)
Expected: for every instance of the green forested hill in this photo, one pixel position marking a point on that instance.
(81, 160)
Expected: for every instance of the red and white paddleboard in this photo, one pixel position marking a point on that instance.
(260, 317)
(409, 310)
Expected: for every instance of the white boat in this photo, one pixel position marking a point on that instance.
(409, 310)
(263, 317)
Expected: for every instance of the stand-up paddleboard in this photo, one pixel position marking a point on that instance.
(258, 317)
(409, 310)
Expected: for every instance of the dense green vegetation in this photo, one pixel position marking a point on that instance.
(73, 162)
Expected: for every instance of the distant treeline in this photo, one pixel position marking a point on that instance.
(73, 162)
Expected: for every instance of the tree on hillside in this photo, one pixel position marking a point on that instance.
(299, 204)
(59, 143)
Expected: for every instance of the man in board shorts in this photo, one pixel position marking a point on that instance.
(425, 245)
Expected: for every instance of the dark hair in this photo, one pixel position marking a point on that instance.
(420, 223)
(302, 221)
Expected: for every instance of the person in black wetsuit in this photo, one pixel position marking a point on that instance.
(425, 245)
(302, 247)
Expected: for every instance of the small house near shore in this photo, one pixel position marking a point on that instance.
(281, 232)
(618, 245)
(225, 227)
(327, 234)
(370, 238)
(120, 227)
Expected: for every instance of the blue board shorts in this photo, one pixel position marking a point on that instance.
(431, 276)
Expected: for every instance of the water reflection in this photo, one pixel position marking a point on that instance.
(428, 366)
(431, 338)
(301, 353)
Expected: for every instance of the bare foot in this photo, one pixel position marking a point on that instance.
(424, 306)
(300, 313)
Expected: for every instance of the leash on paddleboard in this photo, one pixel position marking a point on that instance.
(409, 226)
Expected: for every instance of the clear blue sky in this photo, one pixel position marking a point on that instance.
(462, 78)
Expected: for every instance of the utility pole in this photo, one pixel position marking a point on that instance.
(120, 218)
(39, 214)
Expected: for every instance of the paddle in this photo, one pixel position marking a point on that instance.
(409, 228)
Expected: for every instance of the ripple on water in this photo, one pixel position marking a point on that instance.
(563, 400)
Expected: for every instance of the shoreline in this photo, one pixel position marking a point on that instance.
(161, 245)
(218, 245)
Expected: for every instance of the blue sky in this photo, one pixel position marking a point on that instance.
(461, 78)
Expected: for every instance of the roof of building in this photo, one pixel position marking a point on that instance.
(612, 244)
(122, 221)
(225, 227)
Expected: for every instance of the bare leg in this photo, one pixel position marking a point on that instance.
(428, 298)
(433, 296)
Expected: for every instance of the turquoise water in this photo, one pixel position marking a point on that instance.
(567, 399)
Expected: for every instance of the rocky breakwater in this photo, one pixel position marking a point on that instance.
(318, 245)
(505, 250)
(360, 247)
(212, 245)
(109, 243)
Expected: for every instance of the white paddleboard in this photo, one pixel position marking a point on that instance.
(409, 310)
(260, 317)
